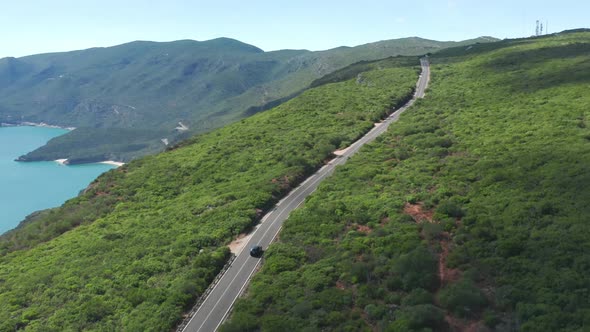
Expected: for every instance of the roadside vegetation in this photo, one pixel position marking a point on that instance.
(135, 250)
(470, 213)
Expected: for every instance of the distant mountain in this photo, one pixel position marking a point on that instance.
(133, 99)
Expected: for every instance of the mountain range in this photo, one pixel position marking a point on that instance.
(134, 99)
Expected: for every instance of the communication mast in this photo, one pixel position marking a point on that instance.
(547, 27)
(539, 28)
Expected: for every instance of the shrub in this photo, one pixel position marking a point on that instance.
(463, 298)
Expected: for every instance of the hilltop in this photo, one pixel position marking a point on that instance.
(134, 99)
(469, 214)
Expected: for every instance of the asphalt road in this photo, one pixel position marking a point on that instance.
(217, 305)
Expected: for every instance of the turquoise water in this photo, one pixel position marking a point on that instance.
(28, 187)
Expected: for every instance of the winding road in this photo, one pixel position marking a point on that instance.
(217, 305)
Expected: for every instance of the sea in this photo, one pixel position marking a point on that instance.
(32, 186)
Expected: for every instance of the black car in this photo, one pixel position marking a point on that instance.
(256, 251)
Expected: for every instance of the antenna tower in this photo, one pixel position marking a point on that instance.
(546, 27)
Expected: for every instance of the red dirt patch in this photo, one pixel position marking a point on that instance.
(446, 275)
(417, 212)
(363, 229)
(284, 182)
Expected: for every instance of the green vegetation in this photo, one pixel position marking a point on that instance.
(144, 89)
(493, 167)
(136, 249)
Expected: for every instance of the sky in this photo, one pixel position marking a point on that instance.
(41, 26)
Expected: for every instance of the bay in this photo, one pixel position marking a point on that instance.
(32, 186)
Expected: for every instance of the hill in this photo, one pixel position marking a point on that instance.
(137, 248)
(470, 214)
(133, 99)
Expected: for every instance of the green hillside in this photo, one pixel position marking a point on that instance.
(142, 90)
(136, 249)
(470, 214)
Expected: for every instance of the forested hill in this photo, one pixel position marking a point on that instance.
(131, 99)
(135, 250)
(470, 214)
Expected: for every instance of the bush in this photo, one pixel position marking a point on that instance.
(432, 231)
(450, 209)
(416, 297)
(463, 298)
(418, 317)
(417, 269)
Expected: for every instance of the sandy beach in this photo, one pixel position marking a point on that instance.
(35, 124)
(108, 162)
(114, 163)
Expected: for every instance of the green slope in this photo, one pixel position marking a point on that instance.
(471, 213)
(144, 89)
(143, 241)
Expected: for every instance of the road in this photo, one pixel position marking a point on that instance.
(220, 300)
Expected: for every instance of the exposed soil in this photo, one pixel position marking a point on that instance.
(363, 229)
(284, 182)
(446, 275)
(238, 244)
(340, 152)
(417, 212)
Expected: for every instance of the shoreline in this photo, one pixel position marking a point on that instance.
(34, 124)
(64, 162)
(112, 162)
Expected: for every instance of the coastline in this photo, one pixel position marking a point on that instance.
(59, 161)
(65, 162)
(45, 183)
(112, 162)
(34, 124)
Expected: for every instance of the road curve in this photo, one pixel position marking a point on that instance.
(220, 300)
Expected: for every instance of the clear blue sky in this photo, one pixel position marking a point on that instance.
(38, 26)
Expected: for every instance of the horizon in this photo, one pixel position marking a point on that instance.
(66, 25)
(283, 49)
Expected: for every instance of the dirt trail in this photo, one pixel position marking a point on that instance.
(446, 275)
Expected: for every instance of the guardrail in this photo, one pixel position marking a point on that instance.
(206, 293)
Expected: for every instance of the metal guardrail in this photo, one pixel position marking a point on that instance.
(206, 293)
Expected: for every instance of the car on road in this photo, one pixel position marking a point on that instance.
(256, 251)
